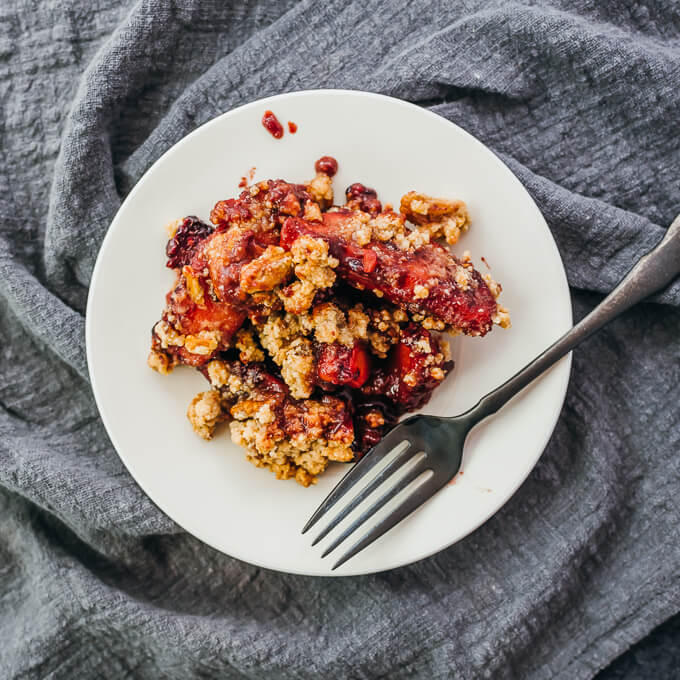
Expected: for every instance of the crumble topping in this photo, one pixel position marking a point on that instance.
(294, 438)
(203, 343)
(321, 189)
(297, 367)
(204, 412)
(316, 324)
(330, 325)
(314, 271)
(436, 216)
(247, 346)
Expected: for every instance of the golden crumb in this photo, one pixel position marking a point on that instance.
(267, 271)
(217, 373)
(437, 373)
(462, 278)
(431, 323)
(358, 321)
(298, 297)
(161, 362)
(203, 343)
(438, 217)
(387, 225)
(374, 419)
(194, 287)
(330, 325)
(204, 412)
(502, 317)
(321, 189)
(312, 212)
(494, 286)
(247, 346)
(312, 262)
(297, 368)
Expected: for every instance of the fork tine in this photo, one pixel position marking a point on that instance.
(412, 503)
(400, 460)
(365, 465)
(415, 471)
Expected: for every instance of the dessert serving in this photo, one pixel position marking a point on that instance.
(317, 325)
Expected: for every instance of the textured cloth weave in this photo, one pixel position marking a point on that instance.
(581, 99)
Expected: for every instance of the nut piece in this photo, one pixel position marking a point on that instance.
(266, 272)
(203, 343)
(204, 412)
(161, 362)
(167, 335)
(194, 287)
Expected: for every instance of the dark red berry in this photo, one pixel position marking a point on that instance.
(326, 164)
(182, 245)
(363, 198)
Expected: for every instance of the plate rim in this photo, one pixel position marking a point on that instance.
(565, 362)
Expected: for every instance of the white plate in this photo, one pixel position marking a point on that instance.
(209, 488)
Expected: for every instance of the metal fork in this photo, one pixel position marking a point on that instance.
(441, 439)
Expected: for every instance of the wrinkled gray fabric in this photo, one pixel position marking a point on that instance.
(581, 99)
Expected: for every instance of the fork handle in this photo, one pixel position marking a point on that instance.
(651, 273)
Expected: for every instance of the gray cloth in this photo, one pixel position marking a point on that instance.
(581, 99)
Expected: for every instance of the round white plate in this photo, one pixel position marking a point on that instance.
(209, 488)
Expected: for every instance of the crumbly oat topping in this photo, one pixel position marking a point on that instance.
(314, 271)
(312, 212)
(160, 361)
(436, 216)
(420, 291)
(247, 346)
(218, 374)
(298, 297)
(384, 329)
(321, 189)
(312, 261)
(494, 287)
(297, 367)
(295, 439)
(204, 412)
(357, 321)
(330, 325)
(375, 419)
(314, 362)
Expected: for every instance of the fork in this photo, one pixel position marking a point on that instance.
(435, 444)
